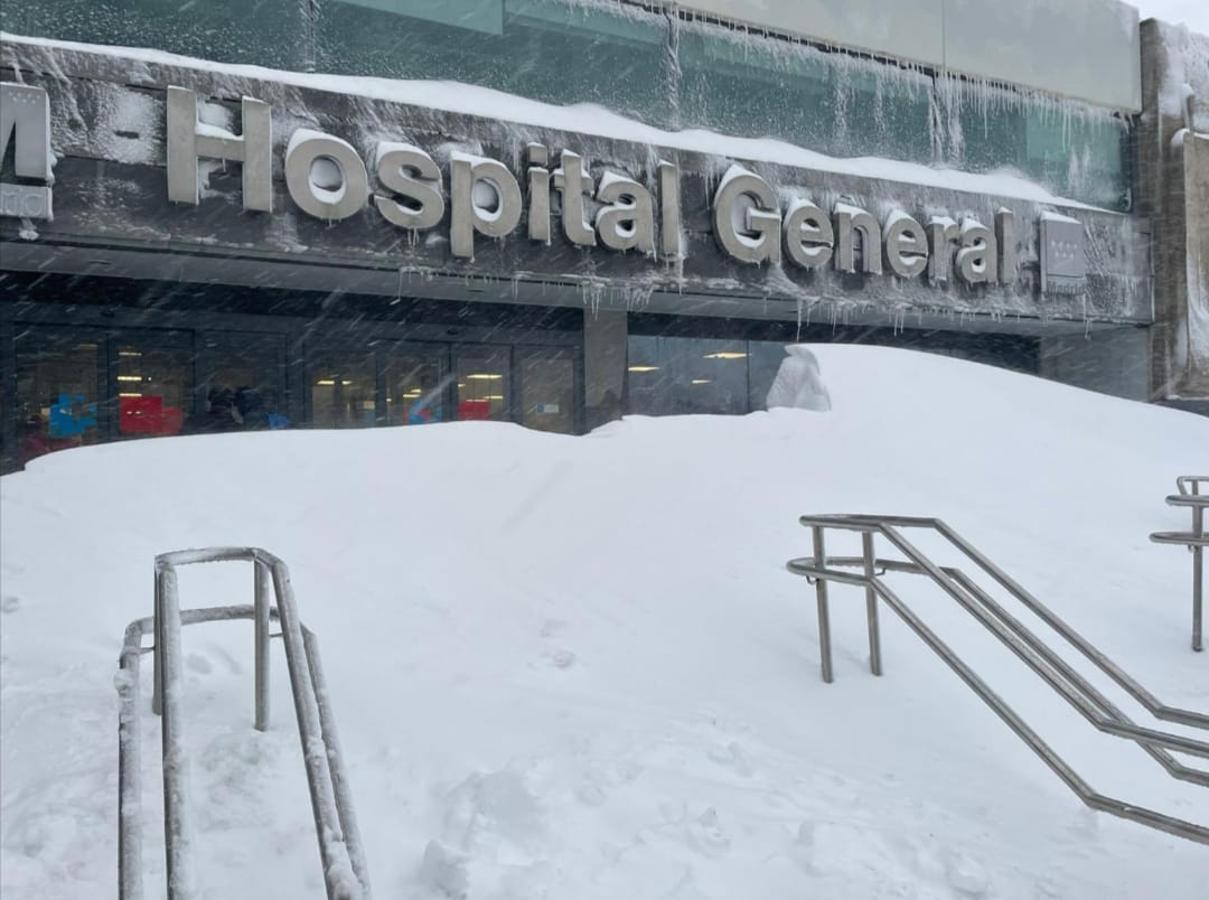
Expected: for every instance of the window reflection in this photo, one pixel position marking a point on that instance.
(56, 392)
(682, 376)
(415, 387)
(342, 391)
(244, 384)
(154, 384)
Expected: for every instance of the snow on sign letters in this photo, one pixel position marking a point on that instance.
(25, 123)
(476, 197)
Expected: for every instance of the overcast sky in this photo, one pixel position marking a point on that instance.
(1193, 13)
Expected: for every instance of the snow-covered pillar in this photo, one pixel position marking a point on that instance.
(1196, 189)
(606, 333)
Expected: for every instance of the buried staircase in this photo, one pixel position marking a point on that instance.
(345, 873)
(1091, 703)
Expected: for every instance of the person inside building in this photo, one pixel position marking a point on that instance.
(221, 413)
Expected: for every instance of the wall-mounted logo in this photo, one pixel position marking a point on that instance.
(1063, 256)
(25, 123)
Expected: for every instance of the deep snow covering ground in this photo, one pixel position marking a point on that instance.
(575, 668)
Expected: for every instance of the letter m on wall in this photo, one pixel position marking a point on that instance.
(25, 124)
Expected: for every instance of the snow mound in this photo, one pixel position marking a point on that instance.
(799, 384)
(576, 668)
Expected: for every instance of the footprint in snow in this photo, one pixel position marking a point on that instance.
(733, 757)
(707, 836)
(966, 875)
(560, 659)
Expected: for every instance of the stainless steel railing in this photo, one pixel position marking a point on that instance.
(1091, 703)
(345, 873)
(1190, 497)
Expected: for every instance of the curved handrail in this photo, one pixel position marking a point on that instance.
(1190, 484)
(1196, 540)
(1129, 684)
(1096, 708)
(1041, 658)
(344, 866)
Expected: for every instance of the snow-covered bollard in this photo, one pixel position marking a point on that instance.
(799, 383)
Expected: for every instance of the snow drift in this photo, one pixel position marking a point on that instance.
(576, 668)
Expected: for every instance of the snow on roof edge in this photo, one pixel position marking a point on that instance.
(586, 118)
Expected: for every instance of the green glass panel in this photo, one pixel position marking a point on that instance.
(541, 49)
(566, 52)
(264, 32)
(1073, 150)
(836, 104)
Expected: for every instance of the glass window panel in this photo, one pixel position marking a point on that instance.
(243, 385)
(1073, 150)
(546, 50)
(342, 387)
(154, 382)
(547, 380)
(57, 391)
(484, 383)
(415, 386)
(682, 376)
(752, 86)
(264, 32)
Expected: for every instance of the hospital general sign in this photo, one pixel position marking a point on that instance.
(478, 198)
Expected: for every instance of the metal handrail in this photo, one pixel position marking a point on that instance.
(345, 871)
(1039, 656)
(1196, 540)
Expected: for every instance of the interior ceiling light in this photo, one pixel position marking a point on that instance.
(643, 369)
(130, 378)
(727, 354)
(494, 397)
(128, 353)
(703, 381)
(484, 376)
(129, 394)
(326, 382)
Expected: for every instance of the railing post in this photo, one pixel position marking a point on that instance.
(875, 641)
(820, 587)
(175, 757)
(262, 587)
(157, 648)
(130, 777)
(1198, 576)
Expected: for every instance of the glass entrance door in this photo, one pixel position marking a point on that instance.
(484, 382)
(343, 389)
(58, 380)
(547, 388)
(154, 375)
(416, 383)
(242, 382)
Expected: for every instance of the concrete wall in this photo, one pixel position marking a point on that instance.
(1114, 361)
(605, 333)
(1086, 49)
(1173, 191)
